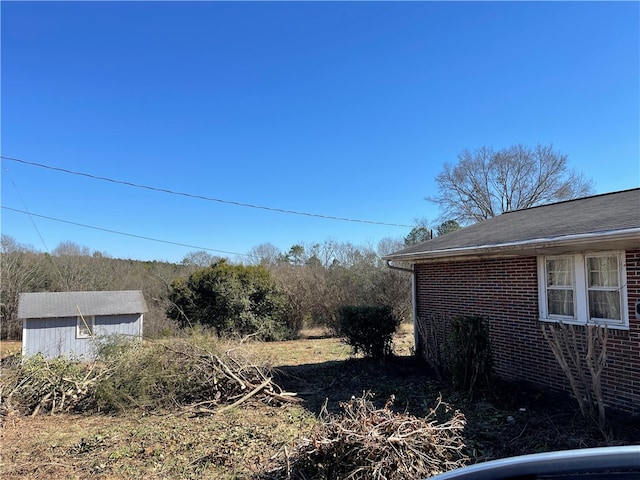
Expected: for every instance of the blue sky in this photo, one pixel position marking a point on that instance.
(337, 109)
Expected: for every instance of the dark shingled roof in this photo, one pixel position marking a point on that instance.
(598, 215)
(66, 304)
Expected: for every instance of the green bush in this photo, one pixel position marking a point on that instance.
(470, 353)
(368, 329)
(232, 299)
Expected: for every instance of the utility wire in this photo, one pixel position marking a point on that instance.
(24, 205)
(201, 197)
(124, 233)
(33, 222)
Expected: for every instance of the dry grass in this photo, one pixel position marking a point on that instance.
(8, 348)
(316, 346)
(319, 348)
(237, 444)
(248, 440)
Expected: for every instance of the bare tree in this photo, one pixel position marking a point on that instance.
(200, 258)
(486, 183)
(265, 254)
(20, 270)
(74, 268)
(388, 245)
(71, 249)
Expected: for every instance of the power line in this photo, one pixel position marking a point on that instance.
(27, 210)
(124, 233)
(55, 265)
(201, 197)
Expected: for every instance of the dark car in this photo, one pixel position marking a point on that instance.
(614, 463)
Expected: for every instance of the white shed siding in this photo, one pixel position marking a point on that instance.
(129, 325)
(53, 337)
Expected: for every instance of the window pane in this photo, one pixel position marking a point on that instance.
(604, 304)
(560, 302)
(560, 271)
(85, 327)
(603, 271)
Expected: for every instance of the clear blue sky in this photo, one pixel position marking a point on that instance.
(337, 109)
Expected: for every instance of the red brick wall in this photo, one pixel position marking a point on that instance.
(506, 291)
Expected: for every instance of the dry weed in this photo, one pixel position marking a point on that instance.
(364, 442)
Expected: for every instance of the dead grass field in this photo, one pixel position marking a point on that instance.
(9, 348)
(247, 441)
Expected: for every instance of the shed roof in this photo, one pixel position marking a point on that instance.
(607, 217)
(67, 304)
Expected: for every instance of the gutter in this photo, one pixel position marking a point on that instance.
(402, 269)
(630, 234)
(414, 305)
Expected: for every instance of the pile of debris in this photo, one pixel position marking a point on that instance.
(364, 442)
(191, 374)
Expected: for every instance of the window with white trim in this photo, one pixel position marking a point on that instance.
(85, 326)
(584, 288)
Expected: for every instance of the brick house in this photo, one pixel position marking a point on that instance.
(576, 261)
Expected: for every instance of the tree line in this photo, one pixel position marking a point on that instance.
(306, 285)
(302, 287)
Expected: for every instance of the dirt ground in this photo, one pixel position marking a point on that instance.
(249, 440)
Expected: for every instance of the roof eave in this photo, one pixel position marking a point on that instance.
(629, 236)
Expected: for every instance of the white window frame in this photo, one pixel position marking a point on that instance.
(581, 291)
(80, 326)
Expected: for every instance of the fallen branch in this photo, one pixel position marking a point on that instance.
(364, 442)
(175, 374)
(246, 397)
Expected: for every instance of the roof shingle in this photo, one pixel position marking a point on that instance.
(599, 214)
(67, 304)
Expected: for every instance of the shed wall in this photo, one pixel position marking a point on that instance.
(506, 291)
(54, 337)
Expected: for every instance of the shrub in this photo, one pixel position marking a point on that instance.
(233, 300)
(368, 329)
(375, 444)
(470, 353)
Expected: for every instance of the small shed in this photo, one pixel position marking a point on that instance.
(68, 323)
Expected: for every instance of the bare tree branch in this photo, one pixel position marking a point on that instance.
(486, 183)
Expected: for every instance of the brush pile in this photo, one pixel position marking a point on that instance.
(364, 442)
(192, 375)
(53, 386)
